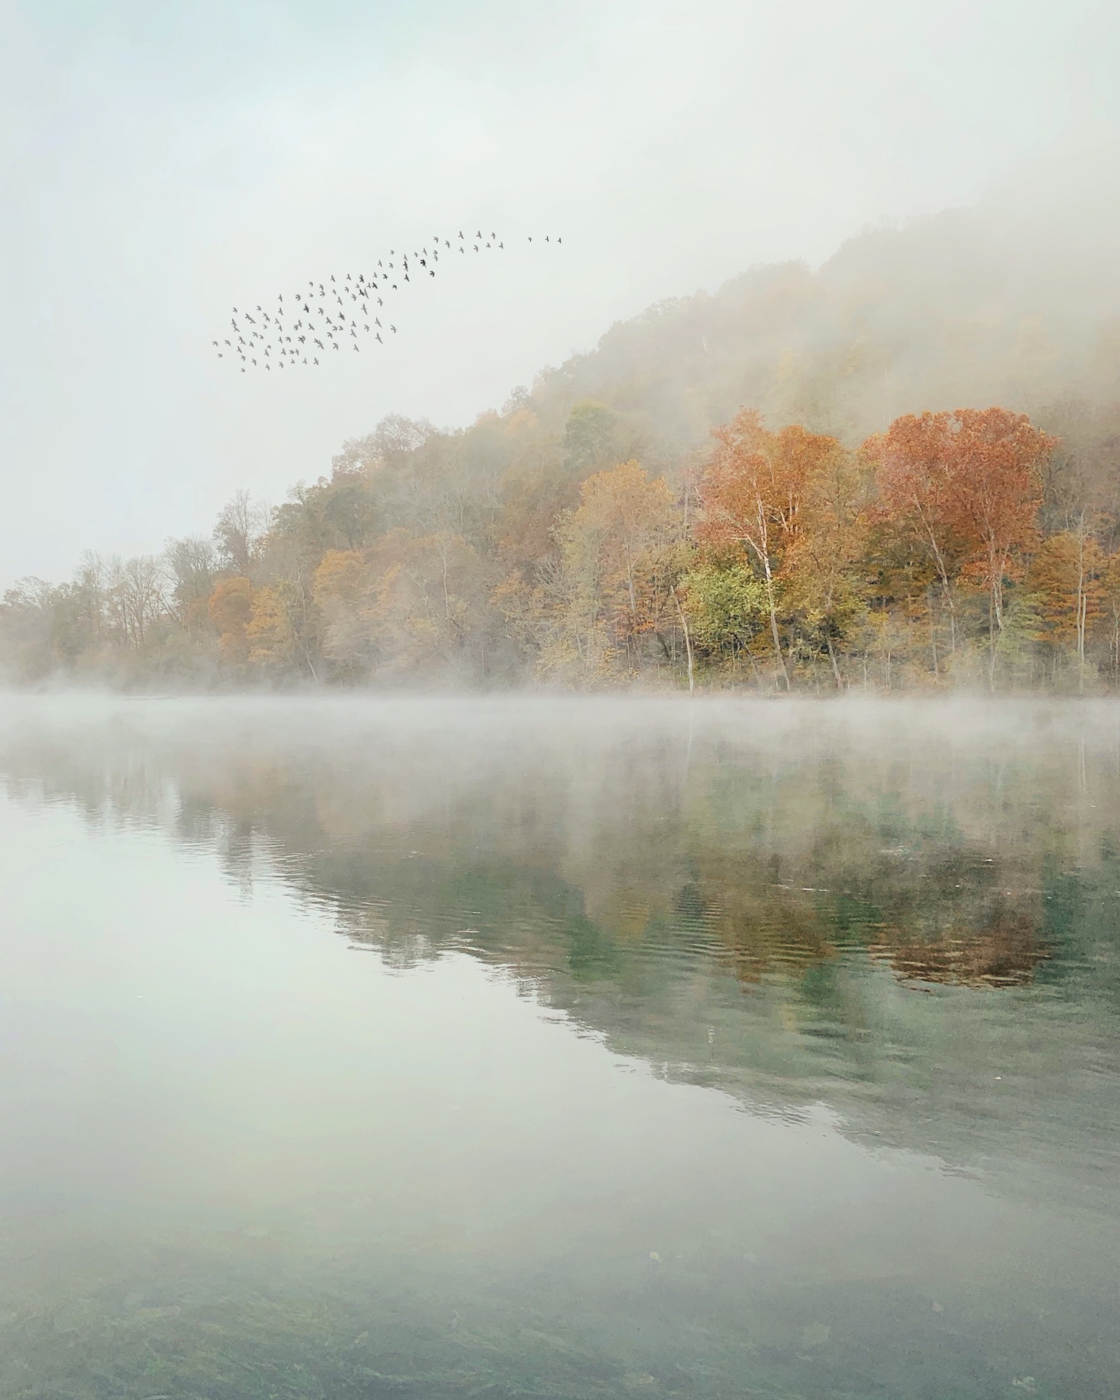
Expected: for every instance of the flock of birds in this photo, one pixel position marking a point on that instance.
(315, 322)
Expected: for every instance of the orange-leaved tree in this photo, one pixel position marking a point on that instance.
(1066, 579)
(620, 552)
(970, 482)
(825, 568)
(230, 607)
(752, 491)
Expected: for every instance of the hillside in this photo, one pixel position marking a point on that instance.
(569, 539)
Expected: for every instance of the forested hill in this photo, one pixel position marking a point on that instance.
(594, 531)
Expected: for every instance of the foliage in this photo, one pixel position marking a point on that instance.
(727, 607)
(626, 515)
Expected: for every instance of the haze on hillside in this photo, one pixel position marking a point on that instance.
(161, 166)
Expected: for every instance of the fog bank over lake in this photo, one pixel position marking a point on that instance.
(559, 1046)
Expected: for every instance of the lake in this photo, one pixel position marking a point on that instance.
(558, 1047)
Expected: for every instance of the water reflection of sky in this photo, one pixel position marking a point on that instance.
(525, 1084)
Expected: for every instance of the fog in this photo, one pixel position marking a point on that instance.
(162, 165)
(555, 1034)
(733, 843)
(567, 1046)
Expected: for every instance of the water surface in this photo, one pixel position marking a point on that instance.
(558, 1048)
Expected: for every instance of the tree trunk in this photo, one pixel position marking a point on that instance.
(832, 657)
(1082, 609)
(687, 641)
(774, 633)
(943, 574)
(1116, 649)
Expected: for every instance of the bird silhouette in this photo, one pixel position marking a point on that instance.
(311, 320)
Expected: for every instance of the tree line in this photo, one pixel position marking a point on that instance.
(956, 548)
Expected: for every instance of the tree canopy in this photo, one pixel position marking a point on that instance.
(762, 486)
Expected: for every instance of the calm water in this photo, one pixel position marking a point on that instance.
(356, 1049)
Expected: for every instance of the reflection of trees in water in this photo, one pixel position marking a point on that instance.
(1003, 951)
(727, 920)
(764, 864)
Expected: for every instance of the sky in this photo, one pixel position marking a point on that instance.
(162, 163)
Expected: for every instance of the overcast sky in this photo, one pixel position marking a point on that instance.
(162, 162)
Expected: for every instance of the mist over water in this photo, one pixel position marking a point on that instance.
(558, 1047)
(515, 881)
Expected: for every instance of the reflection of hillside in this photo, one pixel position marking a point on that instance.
(1003, 952)
(726, 914)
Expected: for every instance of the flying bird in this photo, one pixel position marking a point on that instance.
(313, 322)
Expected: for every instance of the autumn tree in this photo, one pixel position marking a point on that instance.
(1110, 597)
(237, 531)
(997, 458)
(268, 632)
(916, 488)
(90, 583)
(1065, 578)
(727, 607)
(825, 568)
(192, 564)
(391, 444)
(137, 595)
(26, 630)
(621, 555)
(596, 435)
(427, 611)
(342, 589)
(230, 608)
(751, 492)
(970, 481)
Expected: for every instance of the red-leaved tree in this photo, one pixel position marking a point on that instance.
(970, 482)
